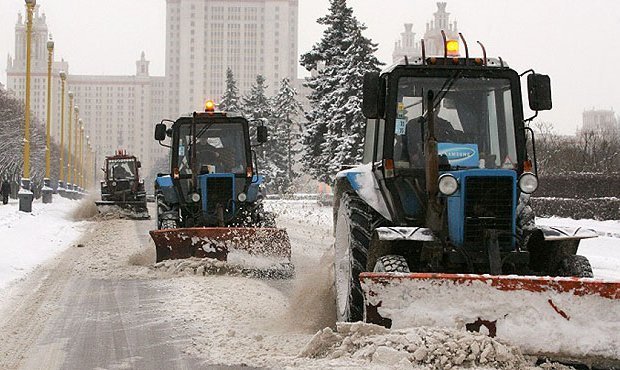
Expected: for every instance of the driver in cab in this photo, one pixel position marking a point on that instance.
(415, 133)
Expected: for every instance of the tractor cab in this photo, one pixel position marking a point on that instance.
(446, 140)
(213, 179)
(122, 169)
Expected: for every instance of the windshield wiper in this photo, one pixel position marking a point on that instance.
(447, 85)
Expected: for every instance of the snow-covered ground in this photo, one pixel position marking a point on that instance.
(235, 320)
(29, 239)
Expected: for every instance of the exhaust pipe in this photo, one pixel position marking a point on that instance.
(433, 207)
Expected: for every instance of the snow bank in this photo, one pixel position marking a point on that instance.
(435, 348)
(28, 239)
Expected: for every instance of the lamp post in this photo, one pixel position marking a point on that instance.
(69, 136)
(78, 146)
(87, 164)
(61, 172)
(47, 190)
(72, 178)
(25, 195)
(84, 160)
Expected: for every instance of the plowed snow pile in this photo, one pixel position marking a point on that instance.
(434, 348)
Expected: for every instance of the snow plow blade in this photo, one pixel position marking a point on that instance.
(135, 210)
(270, 246)
(563, 318)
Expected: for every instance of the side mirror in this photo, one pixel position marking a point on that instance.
(373, 104)
(261, 134)
(539, 92)
(139, 164)
(160, 132)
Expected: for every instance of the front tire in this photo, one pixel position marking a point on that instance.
(351, 250)
(392, 263)
(575, 266)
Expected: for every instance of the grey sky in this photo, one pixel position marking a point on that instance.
(575, 42)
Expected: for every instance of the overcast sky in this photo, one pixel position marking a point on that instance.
(576, 42)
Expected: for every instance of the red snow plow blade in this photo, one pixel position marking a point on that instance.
(574, 319)
(217, 242)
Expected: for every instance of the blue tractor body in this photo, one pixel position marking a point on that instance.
(213, 195)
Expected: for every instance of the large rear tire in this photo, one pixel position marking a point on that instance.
(575, 266)
(353, 227)
(391, 263)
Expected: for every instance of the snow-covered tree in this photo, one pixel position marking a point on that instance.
(230, 99)
(334, 133)
(281, 148)
(11, 144)
(256, 108)
(255, 104)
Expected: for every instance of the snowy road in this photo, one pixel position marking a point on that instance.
(104, 306)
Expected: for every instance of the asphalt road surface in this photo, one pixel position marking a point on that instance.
(102, 305)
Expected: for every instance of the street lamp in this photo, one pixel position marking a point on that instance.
(47, 190)
(85, 162)
(76, 129)
(69, 136)
(79, 130)
(61, 172)
(25, 195)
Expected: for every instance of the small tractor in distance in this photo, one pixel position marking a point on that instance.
(210, 204)
(122, 188)
(438, 216)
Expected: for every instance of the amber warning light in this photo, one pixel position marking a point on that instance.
(209, 106)
(452, 46)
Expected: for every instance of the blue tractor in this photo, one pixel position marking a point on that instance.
(211, 201)
(449, 164)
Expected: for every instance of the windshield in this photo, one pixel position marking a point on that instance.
(474, 124)
(122, 169)
(220, 148)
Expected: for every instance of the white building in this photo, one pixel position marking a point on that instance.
(600, 120)
(205, 37)
(119, 112)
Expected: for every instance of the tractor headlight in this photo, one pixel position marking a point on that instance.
(448, 184)
(242, 197)
(528, 183)
(195, 197)
(113, 183)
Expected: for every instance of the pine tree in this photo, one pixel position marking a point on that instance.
(334, 133)
(281, 148)
(256, 107)
(255, 104)
(230, 99)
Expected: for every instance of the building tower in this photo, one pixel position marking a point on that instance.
(205, 37)
(433, 41)
(16, 69)
(407, 45)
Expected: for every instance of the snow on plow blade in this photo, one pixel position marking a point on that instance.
(269, 245)
(133, 209)
(574, 319)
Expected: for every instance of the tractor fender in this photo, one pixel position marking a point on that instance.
(362, 181)
(254, 190)
(166, 186)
